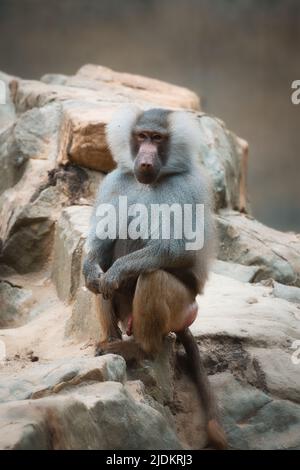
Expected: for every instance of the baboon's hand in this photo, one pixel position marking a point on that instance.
(92, 283)
(92, 273)
(107, 285)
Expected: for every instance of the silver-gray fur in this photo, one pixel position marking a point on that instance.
(180, 181)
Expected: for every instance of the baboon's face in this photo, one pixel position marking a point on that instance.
(150, 138)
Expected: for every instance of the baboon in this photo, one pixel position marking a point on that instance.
(149, 283)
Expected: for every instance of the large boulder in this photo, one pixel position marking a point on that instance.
(27, 218)
(247, 338)
(71, 232)
(69, 251)
(13, 163)
(50, 378)
(7, 109)
(30, 209)
(85, 103)
(36, 132)
(255, 421)
(224, 156)
(246, 241)
(132, 88)
(82, 136)
(83, 132)
(99, 416)
(236, 271)
(84, 321)
(246, 312)
(28, 212)
(15, 304)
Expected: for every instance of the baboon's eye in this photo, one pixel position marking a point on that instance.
(141, 136)
(157, 137)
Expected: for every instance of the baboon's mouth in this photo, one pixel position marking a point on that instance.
(146, 178)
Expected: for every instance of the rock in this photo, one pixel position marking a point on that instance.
(45, 379)
(71, 233)
(138, 87)
(33, 135)
(158, 375)
(76, 183)
(29, 233)
(255, 421)
(30, 94)
(13, 200)
(268, 323)
(67, 274)
(225, 158)
(246, 241)
(84, 322)
(99, 416)
(235, 271)
(82, 139)
(88, 100)
(15, 304)
(101, 85)
(95, 178)
(246, 347)
(252, 300)
(12, 162)
(54, 78)
(36, 132)
(290, 293)
(29, 211)
(7, 110)
(281, 376)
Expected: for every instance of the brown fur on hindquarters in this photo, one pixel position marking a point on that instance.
(158, 307)
(156, 302)
(159, 304)
(108, 320)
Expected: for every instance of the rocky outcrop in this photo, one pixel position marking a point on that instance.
(254, 420)
(248, 339)
(54, 394)
(7, 109)
(247, 241)
(47, 379)
(103, 416)
(71, 232)
(224, 156)
(15, 304)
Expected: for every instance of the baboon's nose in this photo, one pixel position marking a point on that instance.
(146, 166)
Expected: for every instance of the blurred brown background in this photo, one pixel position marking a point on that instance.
(239, 55)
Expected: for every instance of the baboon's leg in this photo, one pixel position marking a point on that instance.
(215, 432)
(160, 304)
(109, 330)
